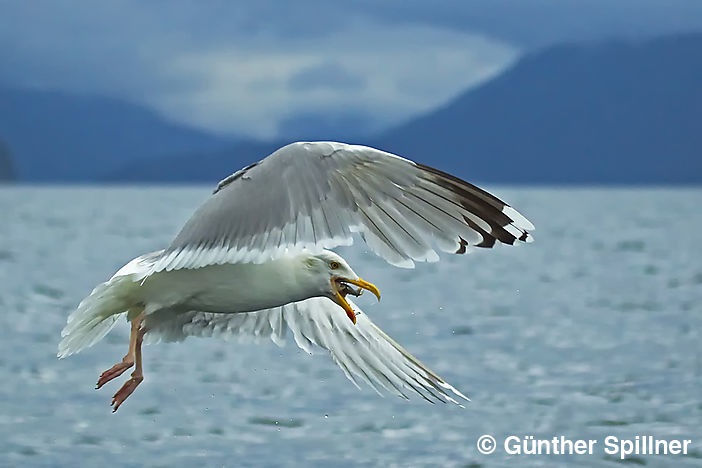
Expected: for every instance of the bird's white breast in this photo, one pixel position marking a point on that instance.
(228, 288)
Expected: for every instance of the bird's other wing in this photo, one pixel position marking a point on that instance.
(363, 351)
(315, 195)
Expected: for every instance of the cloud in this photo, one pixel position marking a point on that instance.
(342, 125)
(388, 72)
(251, 67)
(243, 70)
(538, 23)
(326, 75)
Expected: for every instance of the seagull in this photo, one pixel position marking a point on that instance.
(254, 260)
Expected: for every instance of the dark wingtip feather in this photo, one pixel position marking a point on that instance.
(462, 247)
(506, 224)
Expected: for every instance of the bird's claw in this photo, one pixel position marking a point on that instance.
(112, 373)
(126, 390)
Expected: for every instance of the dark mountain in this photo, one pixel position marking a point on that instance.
(614, 112)
(7, 170)
(207, 167)
(57, 136)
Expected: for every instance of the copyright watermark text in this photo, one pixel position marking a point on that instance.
(561, 445)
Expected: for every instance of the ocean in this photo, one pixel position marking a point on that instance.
(591, 331)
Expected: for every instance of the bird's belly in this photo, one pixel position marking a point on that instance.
(228, 299)
(220, 288)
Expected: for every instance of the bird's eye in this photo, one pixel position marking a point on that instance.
(334, 265)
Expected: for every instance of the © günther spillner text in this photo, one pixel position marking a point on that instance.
(610, 445)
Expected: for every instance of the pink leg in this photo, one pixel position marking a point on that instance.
(128, 360)
(137, 376)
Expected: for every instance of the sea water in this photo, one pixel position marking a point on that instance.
(591, 331)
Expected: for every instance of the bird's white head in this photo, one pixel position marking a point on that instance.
(336, 278)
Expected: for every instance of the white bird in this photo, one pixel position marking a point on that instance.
(252, 261)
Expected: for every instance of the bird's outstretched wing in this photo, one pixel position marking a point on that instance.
(363, 351)
(315, 195)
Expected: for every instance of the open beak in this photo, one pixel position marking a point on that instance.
(340, 292)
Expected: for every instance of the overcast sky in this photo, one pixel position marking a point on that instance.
(250, 67)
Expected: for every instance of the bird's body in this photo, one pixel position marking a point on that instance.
(252, 260)
(227, 288)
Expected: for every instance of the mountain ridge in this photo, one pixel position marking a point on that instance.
(559, 119)
(7, 170)
(614, 112)
(57, 136)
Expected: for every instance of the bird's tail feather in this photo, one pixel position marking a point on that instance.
(96, 315)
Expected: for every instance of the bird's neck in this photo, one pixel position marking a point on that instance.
(290, 280)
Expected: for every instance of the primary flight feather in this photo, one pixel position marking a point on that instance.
(253, 260)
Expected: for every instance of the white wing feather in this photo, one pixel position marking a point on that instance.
(362, 351)
(314, 195)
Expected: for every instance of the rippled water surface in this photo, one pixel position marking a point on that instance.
(592, 330)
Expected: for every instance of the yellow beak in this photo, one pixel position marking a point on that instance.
(341, 299)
